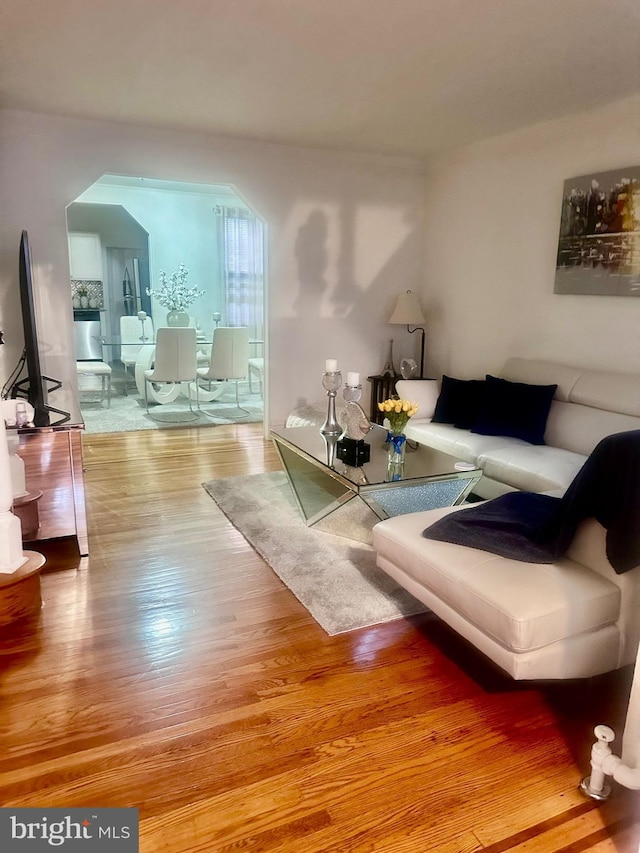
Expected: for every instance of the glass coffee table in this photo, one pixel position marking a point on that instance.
(322, 484)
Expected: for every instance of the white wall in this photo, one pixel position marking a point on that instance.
(345, 236)
(492, 222)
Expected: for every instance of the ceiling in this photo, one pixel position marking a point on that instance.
(393, 76)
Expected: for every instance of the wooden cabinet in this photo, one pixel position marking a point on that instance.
(53, 465)
(85, 256)
(382, 388)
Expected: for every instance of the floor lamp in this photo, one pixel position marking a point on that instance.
(407, 312)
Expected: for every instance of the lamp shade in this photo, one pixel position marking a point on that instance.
(407, 311)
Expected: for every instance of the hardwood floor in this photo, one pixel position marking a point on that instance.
(174, 672)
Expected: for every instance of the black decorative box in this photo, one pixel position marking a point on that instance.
(354, 452)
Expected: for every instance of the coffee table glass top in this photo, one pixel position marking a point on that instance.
(322, 483)
(419, 463)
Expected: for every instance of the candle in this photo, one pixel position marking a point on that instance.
(331, 365)
(353, 379)
(142, 315)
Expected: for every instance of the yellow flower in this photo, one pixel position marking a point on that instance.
(398, 413)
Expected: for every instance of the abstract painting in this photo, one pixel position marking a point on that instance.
(599, 243)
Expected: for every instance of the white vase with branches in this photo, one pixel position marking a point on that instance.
(174, 295)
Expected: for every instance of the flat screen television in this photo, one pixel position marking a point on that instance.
(35, 387)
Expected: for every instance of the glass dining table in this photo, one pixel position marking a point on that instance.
(145, 360)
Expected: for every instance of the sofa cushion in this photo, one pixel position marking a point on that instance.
(580, 428)
(530, 467)
(424, 392)
(608, 390)
(537, 372)
(522, 606)
(461, 443)
(459, 402)
(514, 409)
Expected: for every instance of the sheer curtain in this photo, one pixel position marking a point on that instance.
(240, 239)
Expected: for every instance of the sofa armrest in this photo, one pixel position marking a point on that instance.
(422, 391)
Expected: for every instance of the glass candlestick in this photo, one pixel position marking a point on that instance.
(331, 382)
(142, 316)
(330, 441)
(352, 393)
(357, 424)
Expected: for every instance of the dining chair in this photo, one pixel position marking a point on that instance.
(175, 362)
(130, 343)
(229, 358)
(100, 369)
(256, 368)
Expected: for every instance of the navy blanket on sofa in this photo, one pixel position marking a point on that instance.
(536, 528)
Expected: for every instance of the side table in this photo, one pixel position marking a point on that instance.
(20, 590)
(382, 387)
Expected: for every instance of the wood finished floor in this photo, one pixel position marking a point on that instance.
(174, 672)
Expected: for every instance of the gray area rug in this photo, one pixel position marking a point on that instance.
(335, 578)
(128, 413)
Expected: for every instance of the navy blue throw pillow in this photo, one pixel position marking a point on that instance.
(458, 402)
(514, 409)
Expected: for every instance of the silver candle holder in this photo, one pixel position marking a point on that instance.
(331, 382)
(356, 422)
(352, 393)
(142, 316)
(331, 442)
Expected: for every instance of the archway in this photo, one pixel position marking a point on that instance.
(146, 226)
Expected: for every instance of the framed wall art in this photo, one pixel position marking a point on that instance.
(599, 242)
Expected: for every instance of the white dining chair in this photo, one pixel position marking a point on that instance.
(100, 369)
(256, 368)
(229, 358)
(175, 362)
(130, 343)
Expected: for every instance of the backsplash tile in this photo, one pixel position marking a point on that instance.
(92, 289)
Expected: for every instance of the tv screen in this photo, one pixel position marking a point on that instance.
(35, 387)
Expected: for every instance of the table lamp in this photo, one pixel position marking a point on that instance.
(407, 312)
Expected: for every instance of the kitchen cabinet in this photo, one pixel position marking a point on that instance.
(85, 256)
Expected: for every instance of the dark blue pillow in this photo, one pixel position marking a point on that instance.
(458, 402)
(514, 409)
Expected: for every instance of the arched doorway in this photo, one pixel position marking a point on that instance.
(145, 227)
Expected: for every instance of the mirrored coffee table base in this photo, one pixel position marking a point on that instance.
(324, 486)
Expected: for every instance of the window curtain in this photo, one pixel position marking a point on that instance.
(241, 243)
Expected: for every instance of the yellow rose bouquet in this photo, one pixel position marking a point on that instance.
(398, 412)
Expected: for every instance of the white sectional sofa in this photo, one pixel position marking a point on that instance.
(569, 619)
(587, 406)
(572, 618)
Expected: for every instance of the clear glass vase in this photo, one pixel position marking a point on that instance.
(396, 447)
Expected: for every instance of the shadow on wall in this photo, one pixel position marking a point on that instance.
(312, 257)
(365, 306)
